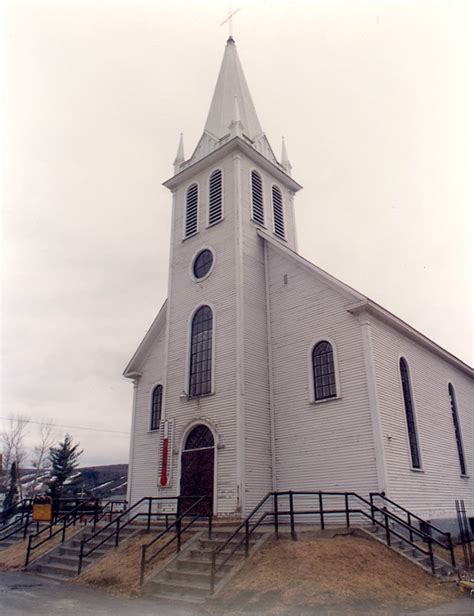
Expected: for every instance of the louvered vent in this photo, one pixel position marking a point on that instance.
(257, 199)
(278, 220)
(215, 197)
(191, 210)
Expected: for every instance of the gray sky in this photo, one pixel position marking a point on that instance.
(374, 100)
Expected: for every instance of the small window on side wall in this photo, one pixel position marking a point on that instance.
(156, 401)
(410, 415)
(324, 372)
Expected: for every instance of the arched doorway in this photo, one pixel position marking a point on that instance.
(197, 470)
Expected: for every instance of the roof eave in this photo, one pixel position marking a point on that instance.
(236, 143)
(372, 308)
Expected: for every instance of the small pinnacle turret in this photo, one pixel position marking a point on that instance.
(179, 154)
(284, 157)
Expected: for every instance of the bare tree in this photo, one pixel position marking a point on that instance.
(12, 438)
(40, 460)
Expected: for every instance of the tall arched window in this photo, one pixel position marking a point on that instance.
(156, 400)
(257, 198)
(191, 214)
(215, 197)
(200, 367)
(324, 373)
(410, 414)
(278, 219)
(457, 429)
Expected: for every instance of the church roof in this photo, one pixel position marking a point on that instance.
(133, 368)
(362, 303)
(231, 97)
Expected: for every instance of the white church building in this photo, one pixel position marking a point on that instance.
(263, 372)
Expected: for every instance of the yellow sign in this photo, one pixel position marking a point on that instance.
(42, 512)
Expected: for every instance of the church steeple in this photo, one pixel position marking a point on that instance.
(179, 154)
(231, 91)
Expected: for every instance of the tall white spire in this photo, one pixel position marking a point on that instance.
(231, 87)
(179, 154)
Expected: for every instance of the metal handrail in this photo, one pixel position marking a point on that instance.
(177, 536)
(411, 514)
(118, 527)
(67, 520)
(15, 509)
(276, 513)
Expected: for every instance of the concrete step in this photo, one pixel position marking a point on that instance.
(193, 578)
(212, 544)
(199, 565)
(195, 592)
(55, 570)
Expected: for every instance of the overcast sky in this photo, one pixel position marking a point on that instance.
(374, 100)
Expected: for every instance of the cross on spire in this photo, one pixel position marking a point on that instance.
(229, 18)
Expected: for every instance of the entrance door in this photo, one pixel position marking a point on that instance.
(197, 471)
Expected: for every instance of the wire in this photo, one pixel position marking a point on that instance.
(72, 427)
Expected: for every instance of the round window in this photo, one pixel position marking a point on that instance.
(203, 263)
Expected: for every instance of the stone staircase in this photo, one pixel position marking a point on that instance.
(61, 562)
(442, 568)
(187, 575)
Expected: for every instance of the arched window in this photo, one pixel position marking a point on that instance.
(278, 220)
(457, 429)
(156, 400)
(215, 197)
(410, 415)
(200, 437)
(257, 198)
(324, 373)
(191, 222)
(200, 367)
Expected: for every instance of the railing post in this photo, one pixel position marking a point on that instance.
(213, 572)
(451, 549)
(26, 525)
(372, 510)
(387, 528)
(81, 554)
(346, 502)
(209, 525)
(142, 565)
(64, 530)
(409, 524)
(178, 534)
(27, 560)
(430, 548)
(275, 512)
(149, 515)
(117, 532)
(247, 524)
(292, 517)
(321, 509)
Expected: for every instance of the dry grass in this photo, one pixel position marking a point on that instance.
(119, 570)
(343, 572)
(14, 557)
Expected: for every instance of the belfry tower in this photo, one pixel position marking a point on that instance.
(203, 367)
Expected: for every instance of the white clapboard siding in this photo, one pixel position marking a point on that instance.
(431, 492)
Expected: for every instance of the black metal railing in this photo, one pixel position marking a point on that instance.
(445, 541)
(141, 509)
(21, 512)
(271, 510)
(61, 523)
(177, 529)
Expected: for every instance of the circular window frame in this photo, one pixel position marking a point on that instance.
(193, 261)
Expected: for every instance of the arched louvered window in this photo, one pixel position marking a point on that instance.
(200, 367)
(410, 415)
(215, 197)
(258, 214)
(457, 429)
(191, 214)
(324, 373)
(278, 219)
(156, 400)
